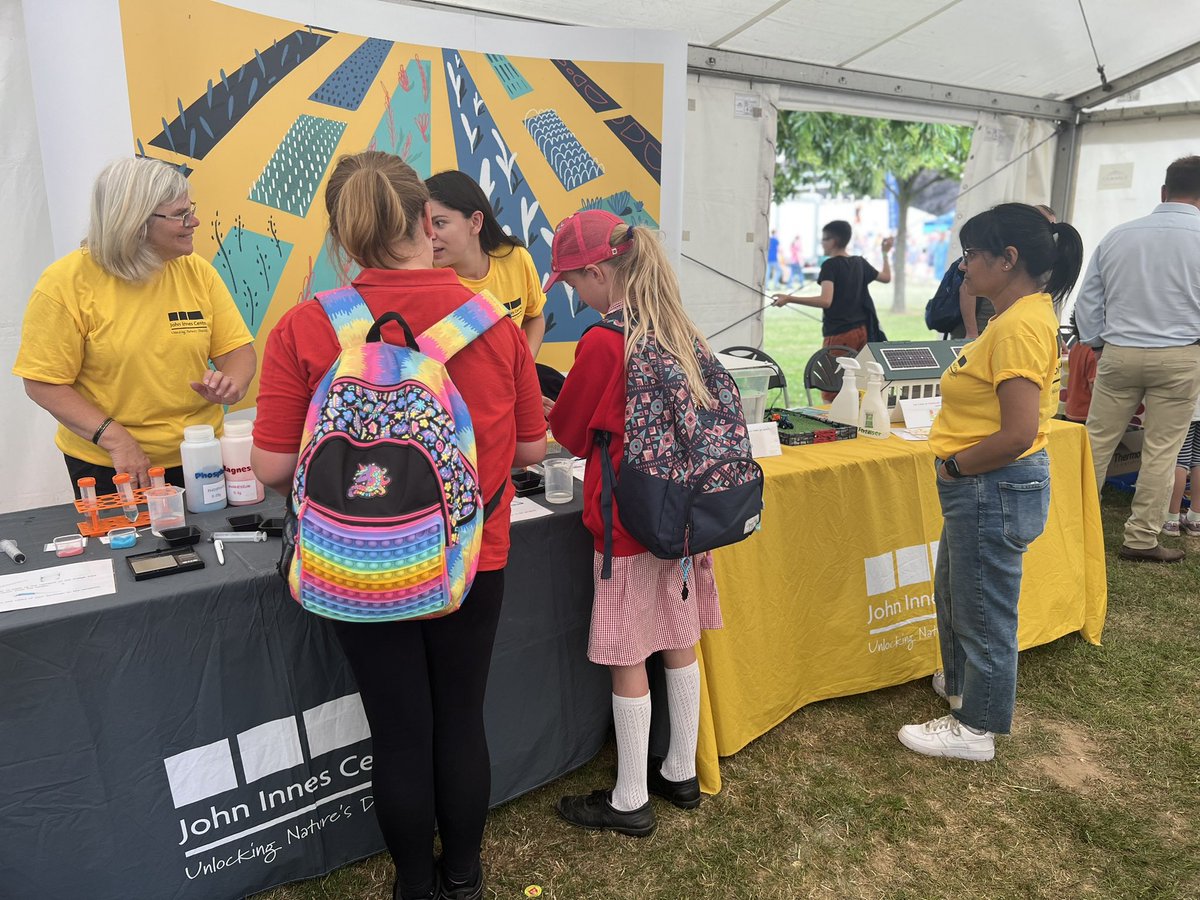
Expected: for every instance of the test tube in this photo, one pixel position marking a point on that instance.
(158, 476)
(125, 491)
(87, 491)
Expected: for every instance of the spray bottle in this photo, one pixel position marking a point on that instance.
(873, 419)
(845, 405)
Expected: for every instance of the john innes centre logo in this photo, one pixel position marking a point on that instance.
(225, 797)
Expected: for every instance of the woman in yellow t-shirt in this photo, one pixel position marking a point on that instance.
(993, 474)
(469, 239)
(118, 335)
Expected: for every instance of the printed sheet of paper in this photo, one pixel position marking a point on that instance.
(919, 412)
(524, 508)
(764, 439)
(60, 584)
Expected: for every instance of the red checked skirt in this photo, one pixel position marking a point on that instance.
(640, 610)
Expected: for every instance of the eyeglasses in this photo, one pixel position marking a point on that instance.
(972, 253)
(181, 219)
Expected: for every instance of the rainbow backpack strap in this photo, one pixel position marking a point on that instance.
(445, 338)
(349, 314)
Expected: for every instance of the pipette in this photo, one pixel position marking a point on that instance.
(125, 491)
(236, 537)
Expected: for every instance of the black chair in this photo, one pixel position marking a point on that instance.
(822, 372)
(778, 380)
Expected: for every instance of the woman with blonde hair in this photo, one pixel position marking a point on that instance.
(422, 682)
(622, 272)
(118, 335)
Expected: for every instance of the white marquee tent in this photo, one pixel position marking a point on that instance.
(1023, 73)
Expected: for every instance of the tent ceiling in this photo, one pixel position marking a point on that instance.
(1033, 48)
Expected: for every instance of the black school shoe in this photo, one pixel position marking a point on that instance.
(595, 811)
(684, 794)
(432, 894)
(448, 890)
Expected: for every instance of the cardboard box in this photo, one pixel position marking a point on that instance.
(1128, 455)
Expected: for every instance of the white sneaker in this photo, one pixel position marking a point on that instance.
(1189, 525)
(938, 682)
(950, 738)
(1171, 527)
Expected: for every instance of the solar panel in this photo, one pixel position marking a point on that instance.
(901, 358)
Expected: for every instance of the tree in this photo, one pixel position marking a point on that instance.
(854, 154)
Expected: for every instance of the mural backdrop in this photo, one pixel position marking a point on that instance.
(256, 109)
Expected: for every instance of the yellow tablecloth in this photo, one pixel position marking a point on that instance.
(834, 595)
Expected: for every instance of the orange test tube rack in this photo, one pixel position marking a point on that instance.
(96, 525)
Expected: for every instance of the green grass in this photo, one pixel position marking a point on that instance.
(792, 334)
(1095, 794)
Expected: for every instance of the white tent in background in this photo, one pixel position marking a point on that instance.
(1023, 73)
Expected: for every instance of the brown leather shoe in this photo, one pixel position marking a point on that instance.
(1158, 553)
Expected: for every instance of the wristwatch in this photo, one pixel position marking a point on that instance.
(951, 466)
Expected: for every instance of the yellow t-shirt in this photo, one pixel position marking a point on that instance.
(1021, 342)
(514, 281)
(131, 349)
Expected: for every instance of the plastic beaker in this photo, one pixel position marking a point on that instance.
(560, 483)
(166, 508)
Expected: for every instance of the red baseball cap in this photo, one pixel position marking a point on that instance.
(583, 239)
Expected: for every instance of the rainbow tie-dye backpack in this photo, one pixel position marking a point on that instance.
(387, 516)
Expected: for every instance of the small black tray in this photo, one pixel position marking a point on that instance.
(528, 483)
(273, 527)
(183, 536)
(247, 522)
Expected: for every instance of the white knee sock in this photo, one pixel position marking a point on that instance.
(683, 702)
(631, 716)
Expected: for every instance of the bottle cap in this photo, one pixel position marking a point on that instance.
(121, 478)
(198, 434)
(238, 427)
(86, 482)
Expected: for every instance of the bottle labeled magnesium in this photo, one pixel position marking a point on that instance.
(241, 487)
(203, 472)
(873, 418)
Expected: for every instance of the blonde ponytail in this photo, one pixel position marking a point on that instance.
(375, 202)
(654, 305)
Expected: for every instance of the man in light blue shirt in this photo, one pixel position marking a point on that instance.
(1139, 306)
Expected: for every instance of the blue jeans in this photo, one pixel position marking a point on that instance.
(989, 522)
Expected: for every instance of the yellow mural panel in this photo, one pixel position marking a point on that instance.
(258, 109)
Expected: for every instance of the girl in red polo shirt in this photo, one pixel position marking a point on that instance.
(640, 609)
(422, 682)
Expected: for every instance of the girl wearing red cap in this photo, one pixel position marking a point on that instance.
(639, 610)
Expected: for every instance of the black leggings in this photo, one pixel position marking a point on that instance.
(422, 686)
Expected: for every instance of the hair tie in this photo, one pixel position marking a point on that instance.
(629, 233)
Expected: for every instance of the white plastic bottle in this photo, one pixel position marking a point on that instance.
(844, 408)
(241, 487)
(203, 472)
(873, 418)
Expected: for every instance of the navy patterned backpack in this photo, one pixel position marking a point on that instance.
(688, 483)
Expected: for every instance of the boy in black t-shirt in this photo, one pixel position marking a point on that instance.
(846, 303)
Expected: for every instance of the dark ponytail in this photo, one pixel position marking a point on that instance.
(1067, 263)
(1051, 253)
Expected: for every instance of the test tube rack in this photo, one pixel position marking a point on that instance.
(96, 525)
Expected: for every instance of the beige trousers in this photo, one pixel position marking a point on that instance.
(1167, 380)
